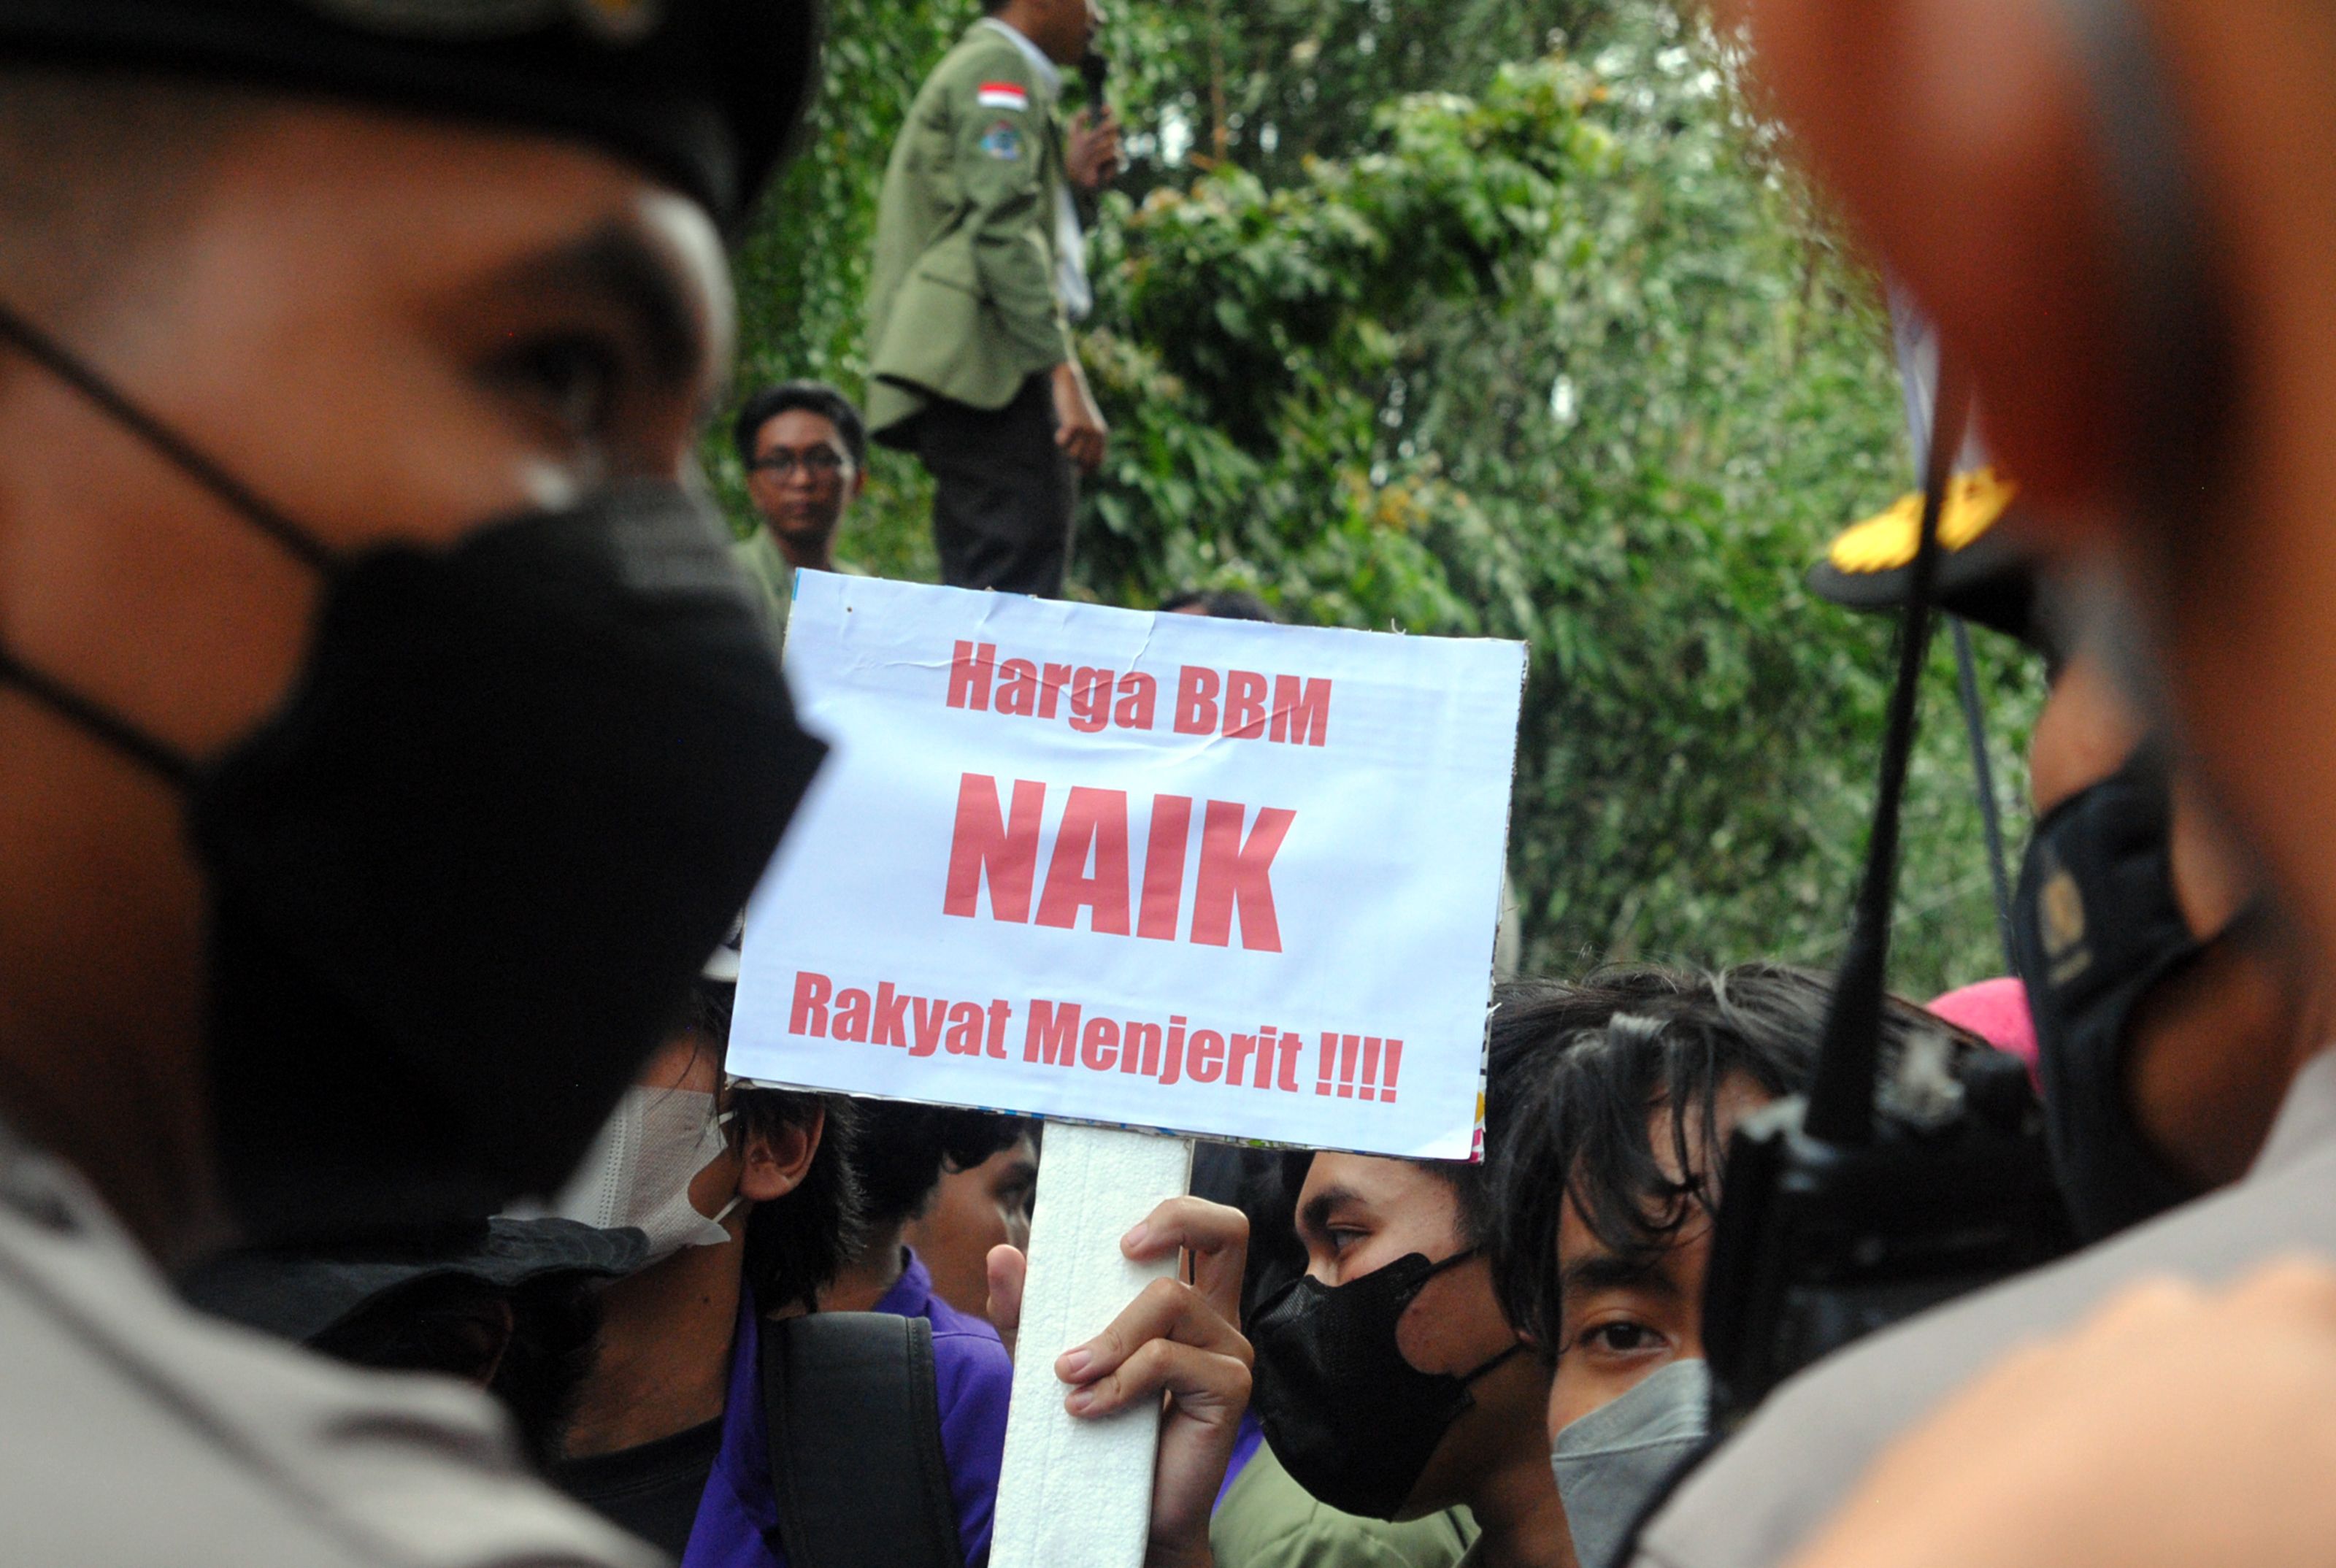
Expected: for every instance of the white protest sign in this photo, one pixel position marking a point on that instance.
(1216, 877)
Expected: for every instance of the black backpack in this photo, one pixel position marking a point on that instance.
(855, 1428)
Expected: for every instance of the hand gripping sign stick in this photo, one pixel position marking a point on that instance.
(1140, 872)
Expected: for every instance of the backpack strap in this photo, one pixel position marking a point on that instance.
(855, 1433)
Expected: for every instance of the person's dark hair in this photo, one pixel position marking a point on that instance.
(810, 396)
(1529, 1018)
(1532, 1020)
(1599, 1059)
(903, 1150)
(795, 1246)
(1263, 1184)
(1220, 604)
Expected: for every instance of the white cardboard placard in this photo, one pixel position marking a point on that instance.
(1207, 876)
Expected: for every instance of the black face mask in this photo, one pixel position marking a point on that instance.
(1351, 1420)
(2095, 926)
(460, 883)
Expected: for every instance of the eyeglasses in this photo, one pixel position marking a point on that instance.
(817, 462)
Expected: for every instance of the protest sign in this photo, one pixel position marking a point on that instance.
(1210, 876)
(1149, 871)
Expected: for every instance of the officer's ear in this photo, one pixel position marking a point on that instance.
(1959, 135)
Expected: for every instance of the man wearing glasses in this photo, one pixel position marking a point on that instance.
(806, 449)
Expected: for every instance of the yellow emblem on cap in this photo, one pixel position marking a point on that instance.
(1887, 540)
(2061, 911)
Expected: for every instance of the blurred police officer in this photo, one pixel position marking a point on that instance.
(2153, 344)
(384, 736)
(2170, 1007)
(979, 273)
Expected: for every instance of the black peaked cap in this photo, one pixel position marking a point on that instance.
(1989, 582)
(299, 1295)
(707, 94)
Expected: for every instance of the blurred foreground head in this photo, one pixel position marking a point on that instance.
(384, 739)
(509, 1305)
(2150, 323)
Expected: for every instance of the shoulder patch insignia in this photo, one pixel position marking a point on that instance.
(1002, 95)
(1003, 141)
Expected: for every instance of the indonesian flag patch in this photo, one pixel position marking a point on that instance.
(1002, 95)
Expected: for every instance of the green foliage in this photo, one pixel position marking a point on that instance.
(1463, 337)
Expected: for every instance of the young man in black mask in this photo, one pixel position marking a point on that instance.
(1263, 1517)
(1388, 1380)
(384, 739)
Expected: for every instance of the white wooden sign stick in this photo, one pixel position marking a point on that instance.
(1070, 1490)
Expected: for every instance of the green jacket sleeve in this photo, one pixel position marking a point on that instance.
(1005, 162)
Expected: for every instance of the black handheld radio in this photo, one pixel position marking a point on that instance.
(1892, 1184)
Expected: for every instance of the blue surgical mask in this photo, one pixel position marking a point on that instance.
(1614, 1461)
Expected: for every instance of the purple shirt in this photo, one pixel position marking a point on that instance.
(973, 1374)
(737, 1517)
(1248, 1438)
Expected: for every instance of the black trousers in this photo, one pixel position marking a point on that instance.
(1003, 492)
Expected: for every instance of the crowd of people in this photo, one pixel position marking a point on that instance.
(389, 738)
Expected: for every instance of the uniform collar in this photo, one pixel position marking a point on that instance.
(1050, 75)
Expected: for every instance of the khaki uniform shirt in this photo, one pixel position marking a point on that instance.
(136, 1432)
(1764, 1494)
(963, 296)
(1269, 1521)
(764, 564)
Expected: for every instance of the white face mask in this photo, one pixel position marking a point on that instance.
(639, 1170)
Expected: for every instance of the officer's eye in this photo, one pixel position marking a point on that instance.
(571, 378)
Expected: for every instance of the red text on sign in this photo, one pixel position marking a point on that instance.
(1374, 1055)
(1239, 703)
(1296, 711)
(995, 842)
(1076, 1038)
(1087, 695)
(1056, 1037)
(892, 1017)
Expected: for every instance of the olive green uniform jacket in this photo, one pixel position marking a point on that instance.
(961, 302)
(1267, 1521)
(762, 563)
